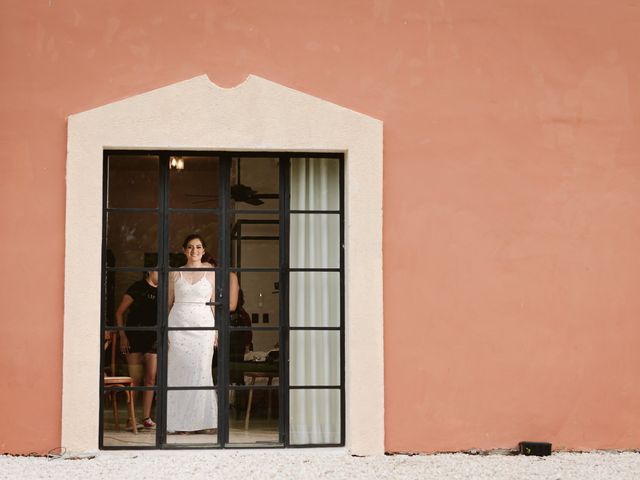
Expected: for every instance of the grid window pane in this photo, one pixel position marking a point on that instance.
(315, 184)
(255, 241)
(117, 426)
(133, 297)
(181, 225)
(255, 183)
(314, 417)
(193, 182)
(254, 413)
(190, 353)
(132, 181)
(314, 241)
(259, 301)
(261, 364)
(314, 299)
(314, 358)
(132, 238)
(192, 417)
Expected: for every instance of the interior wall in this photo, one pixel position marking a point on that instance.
(511, 193)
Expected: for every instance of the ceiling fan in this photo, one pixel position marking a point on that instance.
(243, 193)
(239, 193)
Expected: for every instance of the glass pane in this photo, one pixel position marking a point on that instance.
(132, 347)
(132, 181)
(263, 363)
(255, 241)
(192, 417)
(117, 425)
(315, 184)
(132, 239)
(195, 185)
(254, 413)
(190, 352)
(314, 417)
(133, 297)
(116, 285)
(315, 241)
(255, 183)
(314, 299)
(314, 357)
(115, 362)
(259, 300)
(181, 225)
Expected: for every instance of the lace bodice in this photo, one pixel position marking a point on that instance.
(196, 292)
(189, 307)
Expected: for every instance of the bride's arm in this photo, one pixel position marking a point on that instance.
(170, 290)
(234, 290)
(212, 278)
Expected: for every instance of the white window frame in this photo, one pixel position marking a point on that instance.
(256, 115)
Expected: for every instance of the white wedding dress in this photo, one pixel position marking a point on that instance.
(189, 358)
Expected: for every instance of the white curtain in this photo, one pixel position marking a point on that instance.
(314, 302)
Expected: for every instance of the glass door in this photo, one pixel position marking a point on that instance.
(255, 326)
(195, 301)
(132, 219)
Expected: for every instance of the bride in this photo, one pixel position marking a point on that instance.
(191, 351)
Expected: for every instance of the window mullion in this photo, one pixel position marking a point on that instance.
(223, 296)
(284, 299)
(163, 287)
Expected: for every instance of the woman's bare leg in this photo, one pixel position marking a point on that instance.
(134, 360)
(150, 370)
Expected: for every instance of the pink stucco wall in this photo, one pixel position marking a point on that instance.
(511, 193)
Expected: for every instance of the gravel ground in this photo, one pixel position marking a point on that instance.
(305, 464)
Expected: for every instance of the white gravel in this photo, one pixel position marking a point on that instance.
(309, 464)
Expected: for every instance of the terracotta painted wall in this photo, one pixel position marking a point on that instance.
(512, 193)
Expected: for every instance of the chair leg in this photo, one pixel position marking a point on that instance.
(269, 399)
(132, 412)
(247, 415)
(114, 403)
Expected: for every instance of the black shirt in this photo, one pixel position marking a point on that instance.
(142, 312)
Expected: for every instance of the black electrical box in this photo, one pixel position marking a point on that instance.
(539, 449)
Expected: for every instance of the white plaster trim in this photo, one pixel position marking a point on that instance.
(256, 115)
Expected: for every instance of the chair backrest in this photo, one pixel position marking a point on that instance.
(112, 340)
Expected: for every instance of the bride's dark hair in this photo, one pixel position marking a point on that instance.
(193, 236)
(206, 258)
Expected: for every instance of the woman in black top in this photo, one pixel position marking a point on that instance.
(140, 347)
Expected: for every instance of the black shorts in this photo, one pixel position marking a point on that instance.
(142, 342)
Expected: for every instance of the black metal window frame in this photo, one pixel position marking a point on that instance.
(222, 271)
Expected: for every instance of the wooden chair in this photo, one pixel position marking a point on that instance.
(114, 381)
